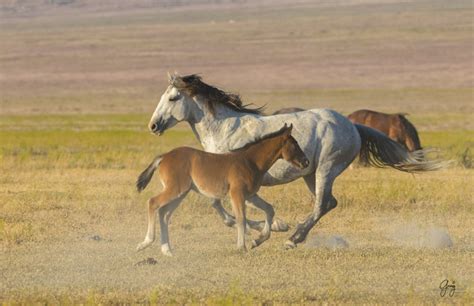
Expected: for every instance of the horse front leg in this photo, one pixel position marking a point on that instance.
(278, 225)
(238, 206)
(269, 214)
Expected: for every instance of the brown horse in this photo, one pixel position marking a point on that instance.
(239, 173)
(288, 110)
(395, 126)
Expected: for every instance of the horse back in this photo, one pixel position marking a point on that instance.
(395, 126)
(379, 121)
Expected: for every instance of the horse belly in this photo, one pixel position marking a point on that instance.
(282, 174)
(212, 189)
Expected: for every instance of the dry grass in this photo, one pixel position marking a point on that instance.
(64, 184)
(79, 83)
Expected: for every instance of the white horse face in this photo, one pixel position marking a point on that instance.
(174, 106)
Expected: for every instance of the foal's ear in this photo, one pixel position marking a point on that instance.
(170, 77)
(286, 130)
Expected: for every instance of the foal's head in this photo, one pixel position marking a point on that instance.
(291, 151)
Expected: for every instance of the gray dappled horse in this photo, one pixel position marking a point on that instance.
(288, 110)
(330, 141)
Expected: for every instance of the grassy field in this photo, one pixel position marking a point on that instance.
(71, 179)
(78, 85)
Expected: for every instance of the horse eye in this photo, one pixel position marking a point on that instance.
(175, 98)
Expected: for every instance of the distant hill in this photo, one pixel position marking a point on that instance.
(41, 7)
(16, 8)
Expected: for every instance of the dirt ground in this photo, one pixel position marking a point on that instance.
(81, 245)
(79, 82)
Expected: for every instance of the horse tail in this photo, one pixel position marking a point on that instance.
(411, 132)
(145, 177)
(380, 151)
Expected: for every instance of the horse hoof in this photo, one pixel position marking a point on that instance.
(143, 245)
(243, 249)
(279, 225)
(254, 244)
(165, 249)
(290, 245)
(229, 222)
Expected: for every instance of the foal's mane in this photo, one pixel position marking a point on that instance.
(193, 85)
(259, 139)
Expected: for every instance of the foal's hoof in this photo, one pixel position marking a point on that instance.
(290, 245)
(143, 245)
(279, 225)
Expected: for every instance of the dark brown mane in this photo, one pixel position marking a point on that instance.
(268, 136)
(194, 86)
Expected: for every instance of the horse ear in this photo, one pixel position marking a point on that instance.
(290, 128)
(170, 77)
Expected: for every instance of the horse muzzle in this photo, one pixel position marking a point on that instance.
(158, 127)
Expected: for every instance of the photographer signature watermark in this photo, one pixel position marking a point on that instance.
(448, 288)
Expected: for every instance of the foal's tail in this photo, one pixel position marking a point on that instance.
(147, 174)
(380, 151)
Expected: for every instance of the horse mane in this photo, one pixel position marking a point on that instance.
(411, 131)
(262, 138)
(193, 85)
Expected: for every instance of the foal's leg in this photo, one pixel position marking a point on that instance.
(165, 212)
(269, 214)
(229, 220)
(238, 206)
(164, 197)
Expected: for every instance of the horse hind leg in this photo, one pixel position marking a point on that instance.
(320, 184)
(321, 207)
(154, 203)
(165, 213)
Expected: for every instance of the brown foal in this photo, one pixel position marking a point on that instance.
(238, 173)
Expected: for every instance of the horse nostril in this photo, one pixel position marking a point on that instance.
(154, 127)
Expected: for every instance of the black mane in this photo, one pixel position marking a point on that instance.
(193, 85)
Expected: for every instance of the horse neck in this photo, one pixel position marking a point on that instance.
(212, 130)
(265, 153)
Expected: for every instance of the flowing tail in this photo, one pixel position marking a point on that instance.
(380, 151)
(147, 174)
